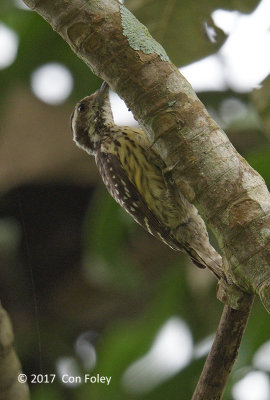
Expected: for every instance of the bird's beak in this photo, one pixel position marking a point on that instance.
(102, 95)
(104, 87)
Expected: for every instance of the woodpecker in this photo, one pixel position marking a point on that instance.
(133, 174)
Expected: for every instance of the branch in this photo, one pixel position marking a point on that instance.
(223, 354)
(10, 368)
(206, 168)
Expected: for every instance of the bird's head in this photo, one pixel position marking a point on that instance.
(90, 118)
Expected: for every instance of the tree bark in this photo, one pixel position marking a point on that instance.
(223, 354)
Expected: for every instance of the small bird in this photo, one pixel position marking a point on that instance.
(134, 175)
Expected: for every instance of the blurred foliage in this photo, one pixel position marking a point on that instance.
(180, 25)
(39, 44)
(72, 262)
(261, 100)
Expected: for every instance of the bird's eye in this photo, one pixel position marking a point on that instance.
(82, 107)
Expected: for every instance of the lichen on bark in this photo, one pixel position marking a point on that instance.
(138, 35)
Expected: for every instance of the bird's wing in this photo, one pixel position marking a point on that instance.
(125, 193)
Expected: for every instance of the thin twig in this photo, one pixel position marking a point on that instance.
(223, 353)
